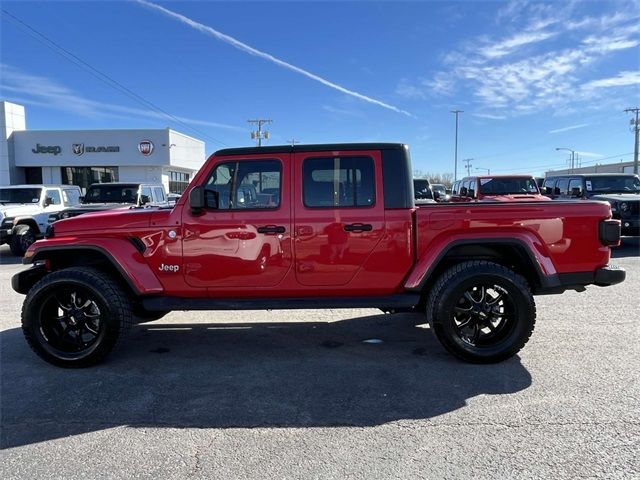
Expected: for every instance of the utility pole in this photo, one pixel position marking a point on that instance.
(573, 156)
(636, 127)
(293, 141)
(260, 134)
(468, 166)
(455, 161)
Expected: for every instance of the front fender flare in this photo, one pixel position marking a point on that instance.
(119, 252)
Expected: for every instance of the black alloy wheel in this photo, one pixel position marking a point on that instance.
(70, 322)
(481, 312)
(484, 315)
(75, 316)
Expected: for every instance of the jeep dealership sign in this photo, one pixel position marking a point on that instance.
(79, 149)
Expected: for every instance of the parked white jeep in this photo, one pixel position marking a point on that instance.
(25, 212)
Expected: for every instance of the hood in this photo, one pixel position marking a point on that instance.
(98, 207)
(123, 218)
(616, 197)
(17, 210)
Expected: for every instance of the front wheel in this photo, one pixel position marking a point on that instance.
(481, 312)
(74, 317)
(21, 239)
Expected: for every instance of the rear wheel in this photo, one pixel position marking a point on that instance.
(75, 317)
(481, 312)
(21, 239)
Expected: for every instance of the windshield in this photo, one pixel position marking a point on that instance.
(20, 195)
(439, 188)
(112, 194)
(613, 184)
(508, 186)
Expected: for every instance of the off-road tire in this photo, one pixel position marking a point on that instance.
(452, 285)
(114, 307)
(21, 239)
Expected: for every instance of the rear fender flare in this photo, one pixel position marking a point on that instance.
(534, 249)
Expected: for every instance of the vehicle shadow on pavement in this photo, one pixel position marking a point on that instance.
(244, 375)
(629, 247)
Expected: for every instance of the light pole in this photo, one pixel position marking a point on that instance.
(455, 161)
(573, 155)
(487, 169)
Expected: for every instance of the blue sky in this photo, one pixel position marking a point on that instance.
(529, 76)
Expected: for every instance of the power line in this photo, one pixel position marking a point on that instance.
(103, 77)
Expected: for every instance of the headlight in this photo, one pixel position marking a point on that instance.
(624, 206)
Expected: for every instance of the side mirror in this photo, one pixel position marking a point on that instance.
(48, 201)
(144, 199)
(576, 192)
(196, 199)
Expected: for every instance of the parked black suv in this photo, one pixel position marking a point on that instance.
(621, 190)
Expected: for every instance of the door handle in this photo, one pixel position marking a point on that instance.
(271, 229)
(358, 227)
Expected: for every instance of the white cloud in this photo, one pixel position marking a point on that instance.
(622, 79)
(512, 44)
(572, 127)
(266, 56)
(44, 92)
(526, 72)
(490, 116)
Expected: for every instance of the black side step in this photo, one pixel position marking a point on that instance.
(160, 304)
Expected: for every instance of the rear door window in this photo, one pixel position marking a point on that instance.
(561, 186)
(71, 196)
(330, 182)
(54, 196)
(159, 194)
(547, 187)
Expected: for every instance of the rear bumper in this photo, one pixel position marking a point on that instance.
(602, 277)
(609, 275)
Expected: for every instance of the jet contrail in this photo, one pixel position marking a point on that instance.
(248, 49)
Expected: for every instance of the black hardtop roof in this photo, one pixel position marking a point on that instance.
(592, 175)
(327, 147)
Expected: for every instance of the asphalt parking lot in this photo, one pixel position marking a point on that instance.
(297, 394)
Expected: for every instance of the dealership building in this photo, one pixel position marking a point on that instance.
(83, 157)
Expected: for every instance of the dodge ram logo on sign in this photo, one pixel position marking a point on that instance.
(78, 148)
(145, 147)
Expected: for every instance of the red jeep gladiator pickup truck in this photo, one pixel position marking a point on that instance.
(312, 226)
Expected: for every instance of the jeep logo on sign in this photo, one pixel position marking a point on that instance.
(55, 149)
(145, 147)
(78, 148)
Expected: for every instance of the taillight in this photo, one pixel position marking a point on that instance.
(610, 232)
